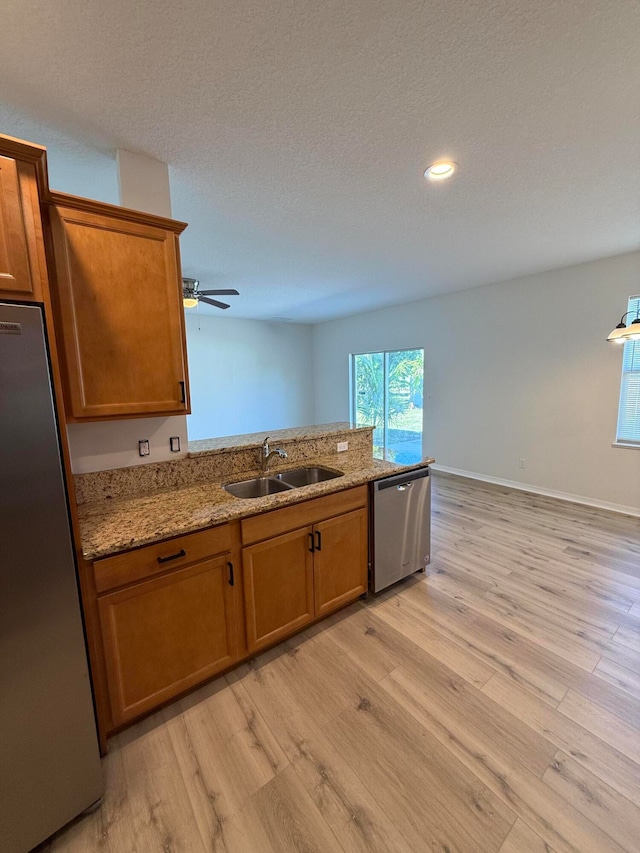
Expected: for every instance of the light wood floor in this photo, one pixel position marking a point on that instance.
(493, 706)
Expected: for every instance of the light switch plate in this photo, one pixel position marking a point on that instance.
(342, 446)
(174, 443)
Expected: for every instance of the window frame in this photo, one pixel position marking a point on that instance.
(633, 356)
(385, 390)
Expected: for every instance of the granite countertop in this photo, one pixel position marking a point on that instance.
(111, 525)
(205, 446)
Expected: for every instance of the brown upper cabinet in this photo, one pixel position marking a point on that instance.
(118, 296)
(22, 259)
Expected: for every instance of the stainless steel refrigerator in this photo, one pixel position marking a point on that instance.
(49, 759)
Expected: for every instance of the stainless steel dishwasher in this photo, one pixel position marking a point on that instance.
(401, 526)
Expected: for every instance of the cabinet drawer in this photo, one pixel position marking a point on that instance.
(267, 524)
(113, 572)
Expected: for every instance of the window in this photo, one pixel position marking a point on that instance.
(386, 393)
(629, 410)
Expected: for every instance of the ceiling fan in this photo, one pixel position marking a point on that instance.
(191, 294)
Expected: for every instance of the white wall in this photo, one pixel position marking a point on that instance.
(103, 445)
(75, 167)
(516, 369)
(143, 183)
(247, 375)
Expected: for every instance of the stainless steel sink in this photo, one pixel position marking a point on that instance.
(260, 487)
(306, 476)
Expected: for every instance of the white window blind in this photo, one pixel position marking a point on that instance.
(629, 410)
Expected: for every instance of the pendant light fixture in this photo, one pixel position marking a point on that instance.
(622, 333)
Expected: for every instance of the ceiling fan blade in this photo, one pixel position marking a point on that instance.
(219, 292)
(214, 302)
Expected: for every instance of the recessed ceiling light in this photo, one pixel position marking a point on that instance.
(440, 171)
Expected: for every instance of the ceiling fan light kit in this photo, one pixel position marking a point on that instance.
(192, 295)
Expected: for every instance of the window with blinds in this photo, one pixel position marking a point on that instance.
(629, 410)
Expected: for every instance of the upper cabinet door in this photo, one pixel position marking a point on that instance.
(20, 231)
(121, 320)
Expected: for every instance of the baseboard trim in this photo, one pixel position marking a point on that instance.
(538, 490)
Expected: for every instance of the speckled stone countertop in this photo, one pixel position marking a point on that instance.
(111, 525)
(255, 439)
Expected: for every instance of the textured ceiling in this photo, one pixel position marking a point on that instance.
(297, 132)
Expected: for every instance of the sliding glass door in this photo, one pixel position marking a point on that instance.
(387, 393)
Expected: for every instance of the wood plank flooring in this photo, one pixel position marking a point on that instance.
(493, 705)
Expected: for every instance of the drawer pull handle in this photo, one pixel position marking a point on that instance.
(183, 394)
(311, 546)
(318, 541)
(231, 577)
(181, 553)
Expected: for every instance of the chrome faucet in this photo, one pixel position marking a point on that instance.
(268, 455)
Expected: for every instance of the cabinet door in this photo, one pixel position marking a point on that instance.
(122, 324)
(166, 635)
(18, 230)
(278, 587)
(340, 560)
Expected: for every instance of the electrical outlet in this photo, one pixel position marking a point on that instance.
(521, 463)
(342, 446)
(143, 447)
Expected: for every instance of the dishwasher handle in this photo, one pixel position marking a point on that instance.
(404, 480)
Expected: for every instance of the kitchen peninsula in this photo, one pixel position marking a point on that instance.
(184, 580)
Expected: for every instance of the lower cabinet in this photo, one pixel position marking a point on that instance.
(175, 613)
(167, 634)
(306, 573)
(278, 587)
(340, 570)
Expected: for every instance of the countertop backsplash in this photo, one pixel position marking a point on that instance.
(129, 507)
(219, 460)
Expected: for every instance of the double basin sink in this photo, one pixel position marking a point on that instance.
(272, 484)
